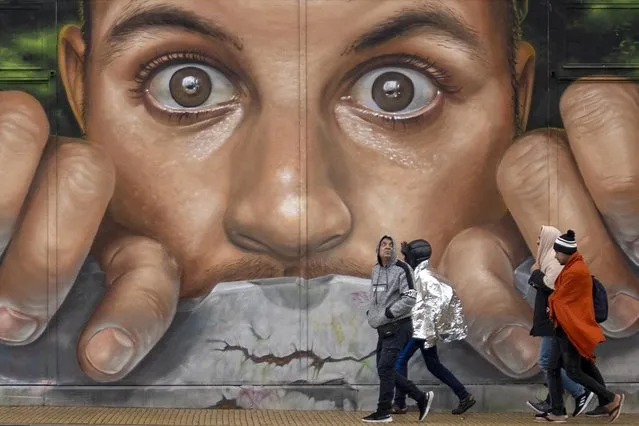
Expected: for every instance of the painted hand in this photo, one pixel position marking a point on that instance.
(53, 196)
(586, 178)
(480, 263)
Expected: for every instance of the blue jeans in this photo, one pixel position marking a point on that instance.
(434, 365)
(572, 387)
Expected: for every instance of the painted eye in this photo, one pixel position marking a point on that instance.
(191, 86)
(395, 91)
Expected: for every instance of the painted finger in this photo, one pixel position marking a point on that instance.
(479, 265)
(602, 123)
(541, 185)
(52, 240)
(24, 130)
(138, 307)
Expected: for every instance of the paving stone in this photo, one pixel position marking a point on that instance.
(23, 415)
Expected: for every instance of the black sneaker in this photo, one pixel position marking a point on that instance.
(551, 418)
(464, 405)
(600, 411)
(399, 409)
(539, 407)
(378, 417)
(424, 405)
(581, 402)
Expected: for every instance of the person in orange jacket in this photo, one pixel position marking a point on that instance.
(577, 333)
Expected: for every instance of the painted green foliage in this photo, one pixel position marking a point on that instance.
(610, 25)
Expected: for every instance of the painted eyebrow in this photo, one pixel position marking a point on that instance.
(440, 21)
(144, 19)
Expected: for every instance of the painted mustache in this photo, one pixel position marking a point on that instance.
(246, 269)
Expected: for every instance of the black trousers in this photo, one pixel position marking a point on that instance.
(388, 349)
(433, 364)
(579, 369)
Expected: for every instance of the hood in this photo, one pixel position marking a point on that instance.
(379, 243)
(416, 252)
(546, 254)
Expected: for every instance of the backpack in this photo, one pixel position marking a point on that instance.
(600, 299)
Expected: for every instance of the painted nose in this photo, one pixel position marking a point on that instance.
(287, 224)
(282, 204)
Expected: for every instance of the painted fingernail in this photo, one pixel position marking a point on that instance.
(16, 327)
(109, 350)
(623, 316)
(512, 346)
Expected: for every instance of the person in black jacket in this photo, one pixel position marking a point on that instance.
(545, 271)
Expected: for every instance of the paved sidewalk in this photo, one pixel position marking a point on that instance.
(25, 415)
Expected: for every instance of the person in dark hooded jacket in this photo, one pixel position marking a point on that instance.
(544, 273)
(392, 297)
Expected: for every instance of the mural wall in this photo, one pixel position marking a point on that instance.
(191, 191)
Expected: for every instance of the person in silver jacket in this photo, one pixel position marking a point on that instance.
(437, 317)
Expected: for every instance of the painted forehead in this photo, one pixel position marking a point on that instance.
(88, 8)
(520, 7)
(471, 26)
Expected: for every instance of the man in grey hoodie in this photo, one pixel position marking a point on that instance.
(392, 297)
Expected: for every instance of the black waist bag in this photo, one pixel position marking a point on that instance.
(390, 329)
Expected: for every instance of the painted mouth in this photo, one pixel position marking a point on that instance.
(277, 331)
(316, 362)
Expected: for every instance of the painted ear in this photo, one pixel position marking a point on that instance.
(71, 62)
(525, 79)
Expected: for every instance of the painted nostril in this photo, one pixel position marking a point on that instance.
(330, 243)
(248, 243)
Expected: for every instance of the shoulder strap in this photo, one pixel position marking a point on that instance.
(409, 274)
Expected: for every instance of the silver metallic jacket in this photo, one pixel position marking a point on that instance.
(438, 313)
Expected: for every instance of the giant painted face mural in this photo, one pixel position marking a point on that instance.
(242, 159)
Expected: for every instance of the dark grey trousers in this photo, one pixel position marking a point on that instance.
(388, 349)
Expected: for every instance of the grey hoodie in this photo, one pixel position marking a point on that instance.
(392, 293)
